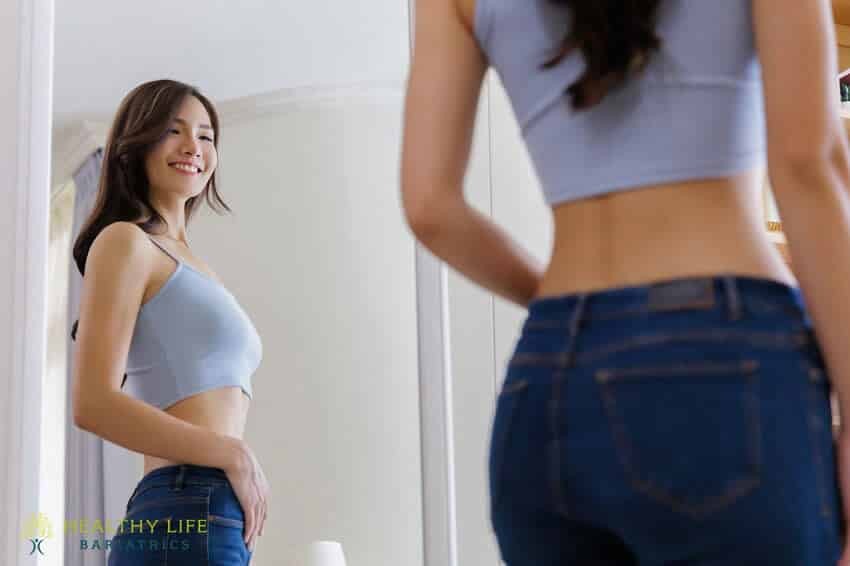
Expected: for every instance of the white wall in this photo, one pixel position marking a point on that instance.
(318, 255)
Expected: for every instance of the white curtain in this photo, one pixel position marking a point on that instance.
(99, 475)
(54, 394)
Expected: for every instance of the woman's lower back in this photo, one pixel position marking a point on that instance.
(648, 234)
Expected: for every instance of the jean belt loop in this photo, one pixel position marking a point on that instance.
(733, 297)
(575, 325)
(181, 474)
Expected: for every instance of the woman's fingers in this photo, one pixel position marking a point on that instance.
(250, 522)
(248, 525)
(256, 515)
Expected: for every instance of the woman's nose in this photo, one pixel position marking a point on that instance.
(192, 148)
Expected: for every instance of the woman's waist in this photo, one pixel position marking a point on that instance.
(695, 228)
(219, 411)
(566, 276)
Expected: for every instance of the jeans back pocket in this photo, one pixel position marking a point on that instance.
(164, 526)
(687, 434)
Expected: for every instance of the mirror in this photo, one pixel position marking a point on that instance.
(315, 252)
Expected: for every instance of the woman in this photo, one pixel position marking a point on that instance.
(668, 400)
(149, 307)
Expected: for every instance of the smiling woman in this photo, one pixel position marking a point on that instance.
(142, 314)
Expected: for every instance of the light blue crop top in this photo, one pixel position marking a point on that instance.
(191, 337)
(695, 112)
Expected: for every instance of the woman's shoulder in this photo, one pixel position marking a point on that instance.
(123, 229)
(118, 243)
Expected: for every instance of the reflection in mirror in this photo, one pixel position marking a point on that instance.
(246, 326)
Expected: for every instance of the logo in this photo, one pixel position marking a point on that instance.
(37, 529)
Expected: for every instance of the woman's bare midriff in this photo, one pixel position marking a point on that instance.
(639, 236)
(222, 410)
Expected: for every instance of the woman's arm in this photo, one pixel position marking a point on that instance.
(809, 171)
(808, 164)
(442, 97)
(117, 270)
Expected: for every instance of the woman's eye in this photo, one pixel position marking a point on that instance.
(209, 139)
(173, 131)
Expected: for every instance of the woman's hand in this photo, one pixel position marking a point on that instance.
(252, 490)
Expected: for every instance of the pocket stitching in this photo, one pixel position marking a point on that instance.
(746, 366)
(770, 340)
(159, 503)
(815, 380)
(708, 505)
(225, 521)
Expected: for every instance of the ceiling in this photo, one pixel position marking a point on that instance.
(228, 49)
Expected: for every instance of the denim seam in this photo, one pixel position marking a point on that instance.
(513, 387)
(710, 504)
(166, 502)
(559, 324)
(751, 304)
(207, 534)
(554, 448)
(566, 361)
(225, 521)
(165, 550)
(144, 488)
(771, 340)
(814, 377)
(500, 442)
(206, 502)
(607, 375)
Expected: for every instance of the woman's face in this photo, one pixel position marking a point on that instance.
(184, 160)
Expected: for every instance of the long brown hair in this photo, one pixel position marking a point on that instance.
(123, 193)
(616, 38)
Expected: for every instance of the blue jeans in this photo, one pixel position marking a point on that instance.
(181, 515)
(680, 422)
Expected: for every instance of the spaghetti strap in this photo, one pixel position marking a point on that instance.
(168, 253)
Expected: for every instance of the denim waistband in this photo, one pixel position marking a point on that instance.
(184, 474)
(734, 294)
